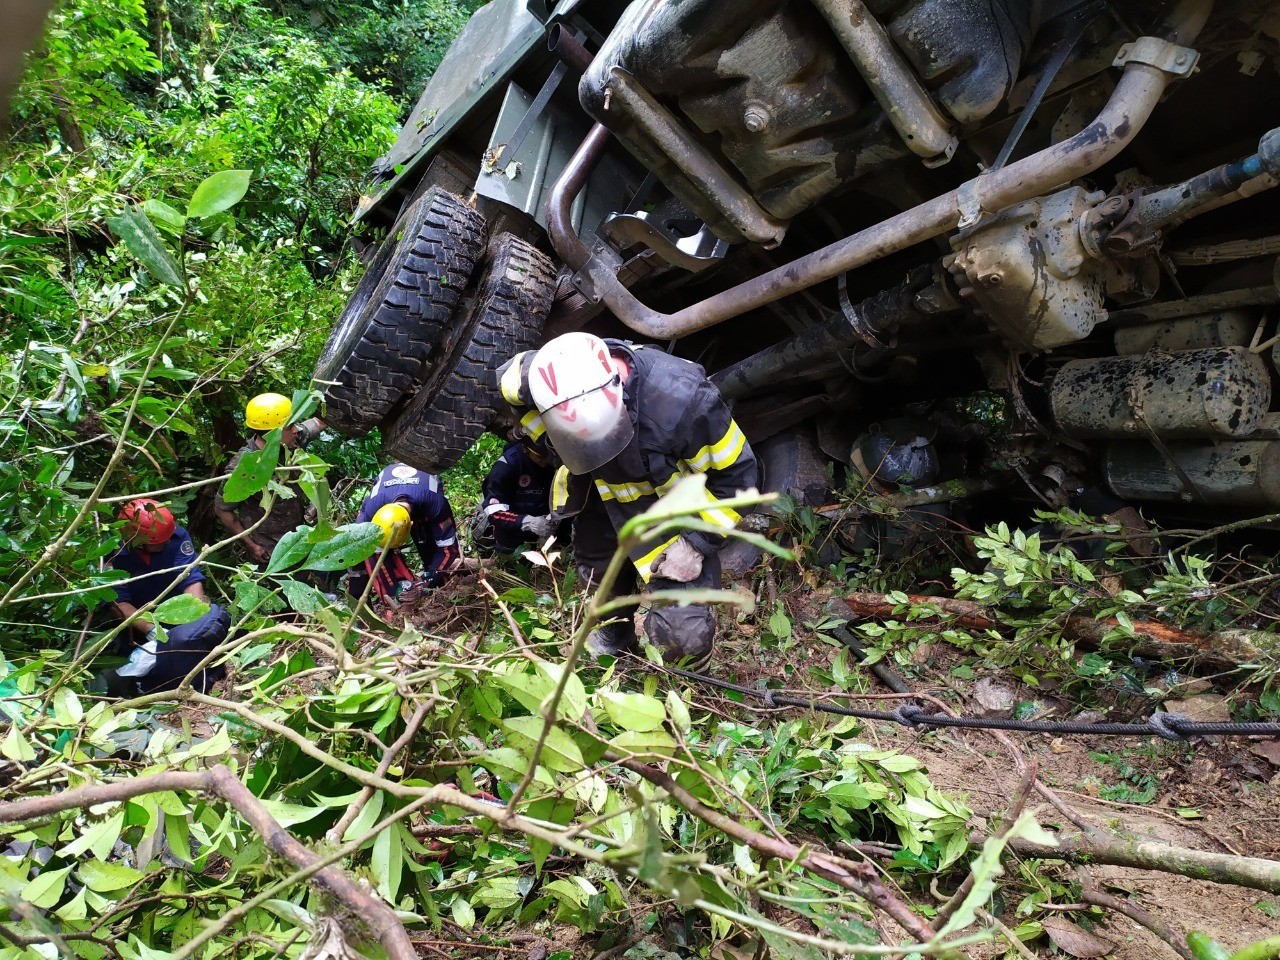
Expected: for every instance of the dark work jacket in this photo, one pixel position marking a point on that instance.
(515, 488)
(682, 427)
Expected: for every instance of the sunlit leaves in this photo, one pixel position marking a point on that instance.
(218, 192)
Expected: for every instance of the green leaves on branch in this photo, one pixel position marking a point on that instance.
(219, 192)
(139, 235)
(254, 470)
(183, 608)
(309, 549)
(135, 228)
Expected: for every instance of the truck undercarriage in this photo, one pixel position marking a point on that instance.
(862, 218)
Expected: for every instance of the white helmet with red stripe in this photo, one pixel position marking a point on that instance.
(576, 385)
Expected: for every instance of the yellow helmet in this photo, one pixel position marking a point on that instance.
(394, 520)
(267, 411)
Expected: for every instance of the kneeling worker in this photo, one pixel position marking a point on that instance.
(629, 422)
(155, 553)
(408, 503)
(516, 496)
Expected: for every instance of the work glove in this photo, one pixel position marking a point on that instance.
(541, 527)
(680, 562)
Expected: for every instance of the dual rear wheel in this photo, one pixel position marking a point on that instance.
(417, 348)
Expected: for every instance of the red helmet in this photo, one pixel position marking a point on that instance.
(147, 521)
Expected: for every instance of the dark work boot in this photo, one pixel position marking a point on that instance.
(613, 640)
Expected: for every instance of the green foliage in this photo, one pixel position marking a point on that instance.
(157, 872)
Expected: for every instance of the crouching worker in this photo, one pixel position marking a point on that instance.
(407, 504)
(262, 414)
(516, 498)
(629, 422)
(155, 555)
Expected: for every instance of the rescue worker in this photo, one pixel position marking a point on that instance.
(262, 414)
(407, 503)
(155, 554)
(516, 494)
(629, 422)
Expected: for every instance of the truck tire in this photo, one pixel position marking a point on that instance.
(400, 307)
(461, 399)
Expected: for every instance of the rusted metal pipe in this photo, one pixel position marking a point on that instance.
(1131, 104)
(896, 88)
(565, 190)
(568, 48)
(630, 99)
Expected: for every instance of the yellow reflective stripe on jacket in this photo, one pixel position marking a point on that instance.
(720, 516)
(720, 455)
(531, 424)
(510, 382)
(624, 492)
(560, 489)
(644, 565)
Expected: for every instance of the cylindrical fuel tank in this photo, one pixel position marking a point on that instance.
(1226, 328)
(1220, 392)
(1242, 474)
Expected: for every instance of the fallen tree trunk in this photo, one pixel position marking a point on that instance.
(1223, 648)
(1120, 850)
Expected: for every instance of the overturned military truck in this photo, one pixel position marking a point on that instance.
(863, 218)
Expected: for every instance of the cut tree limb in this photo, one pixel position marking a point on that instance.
(1097, 847)
(862, 879)
(221, 782)
(1229, 647)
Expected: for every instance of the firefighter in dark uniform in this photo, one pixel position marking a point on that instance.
(408, 503)
(516, 496)
(629, 422)
(159, 559)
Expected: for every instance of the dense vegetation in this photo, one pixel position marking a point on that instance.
(174, 194)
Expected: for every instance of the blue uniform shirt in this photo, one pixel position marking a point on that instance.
(157, 569)
(433, 529)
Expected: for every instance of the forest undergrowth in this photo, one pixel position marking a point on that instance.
(453, 779)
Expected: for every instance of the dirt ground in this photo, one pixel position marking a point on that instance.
(1215, 795)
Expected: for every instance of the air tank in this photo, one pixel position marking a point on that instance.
(1216, 392)
(1242, 474)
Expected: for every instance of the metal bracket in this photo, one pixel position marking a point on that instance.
(1161, 54)
(969, 201)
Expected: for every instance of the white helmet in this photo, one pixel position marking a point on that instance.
(576, 386)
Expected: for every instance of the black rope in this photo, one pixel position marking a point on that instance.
(1168, 726)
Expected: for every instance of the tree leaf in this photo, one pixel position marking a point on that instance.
(303, 597)
(633, 711)
(291, 550)
(139, 236)
(184, 608)
(463, 915)
(352, 543)
(254, 470)
(1074, 940)
(644, 744)
(46, 889)
(388, 862)
(164, 216)
(221, 191)
(101, 877)
(558, 753)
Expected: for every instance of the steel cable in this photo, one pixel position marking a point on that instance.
(1168, 726)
